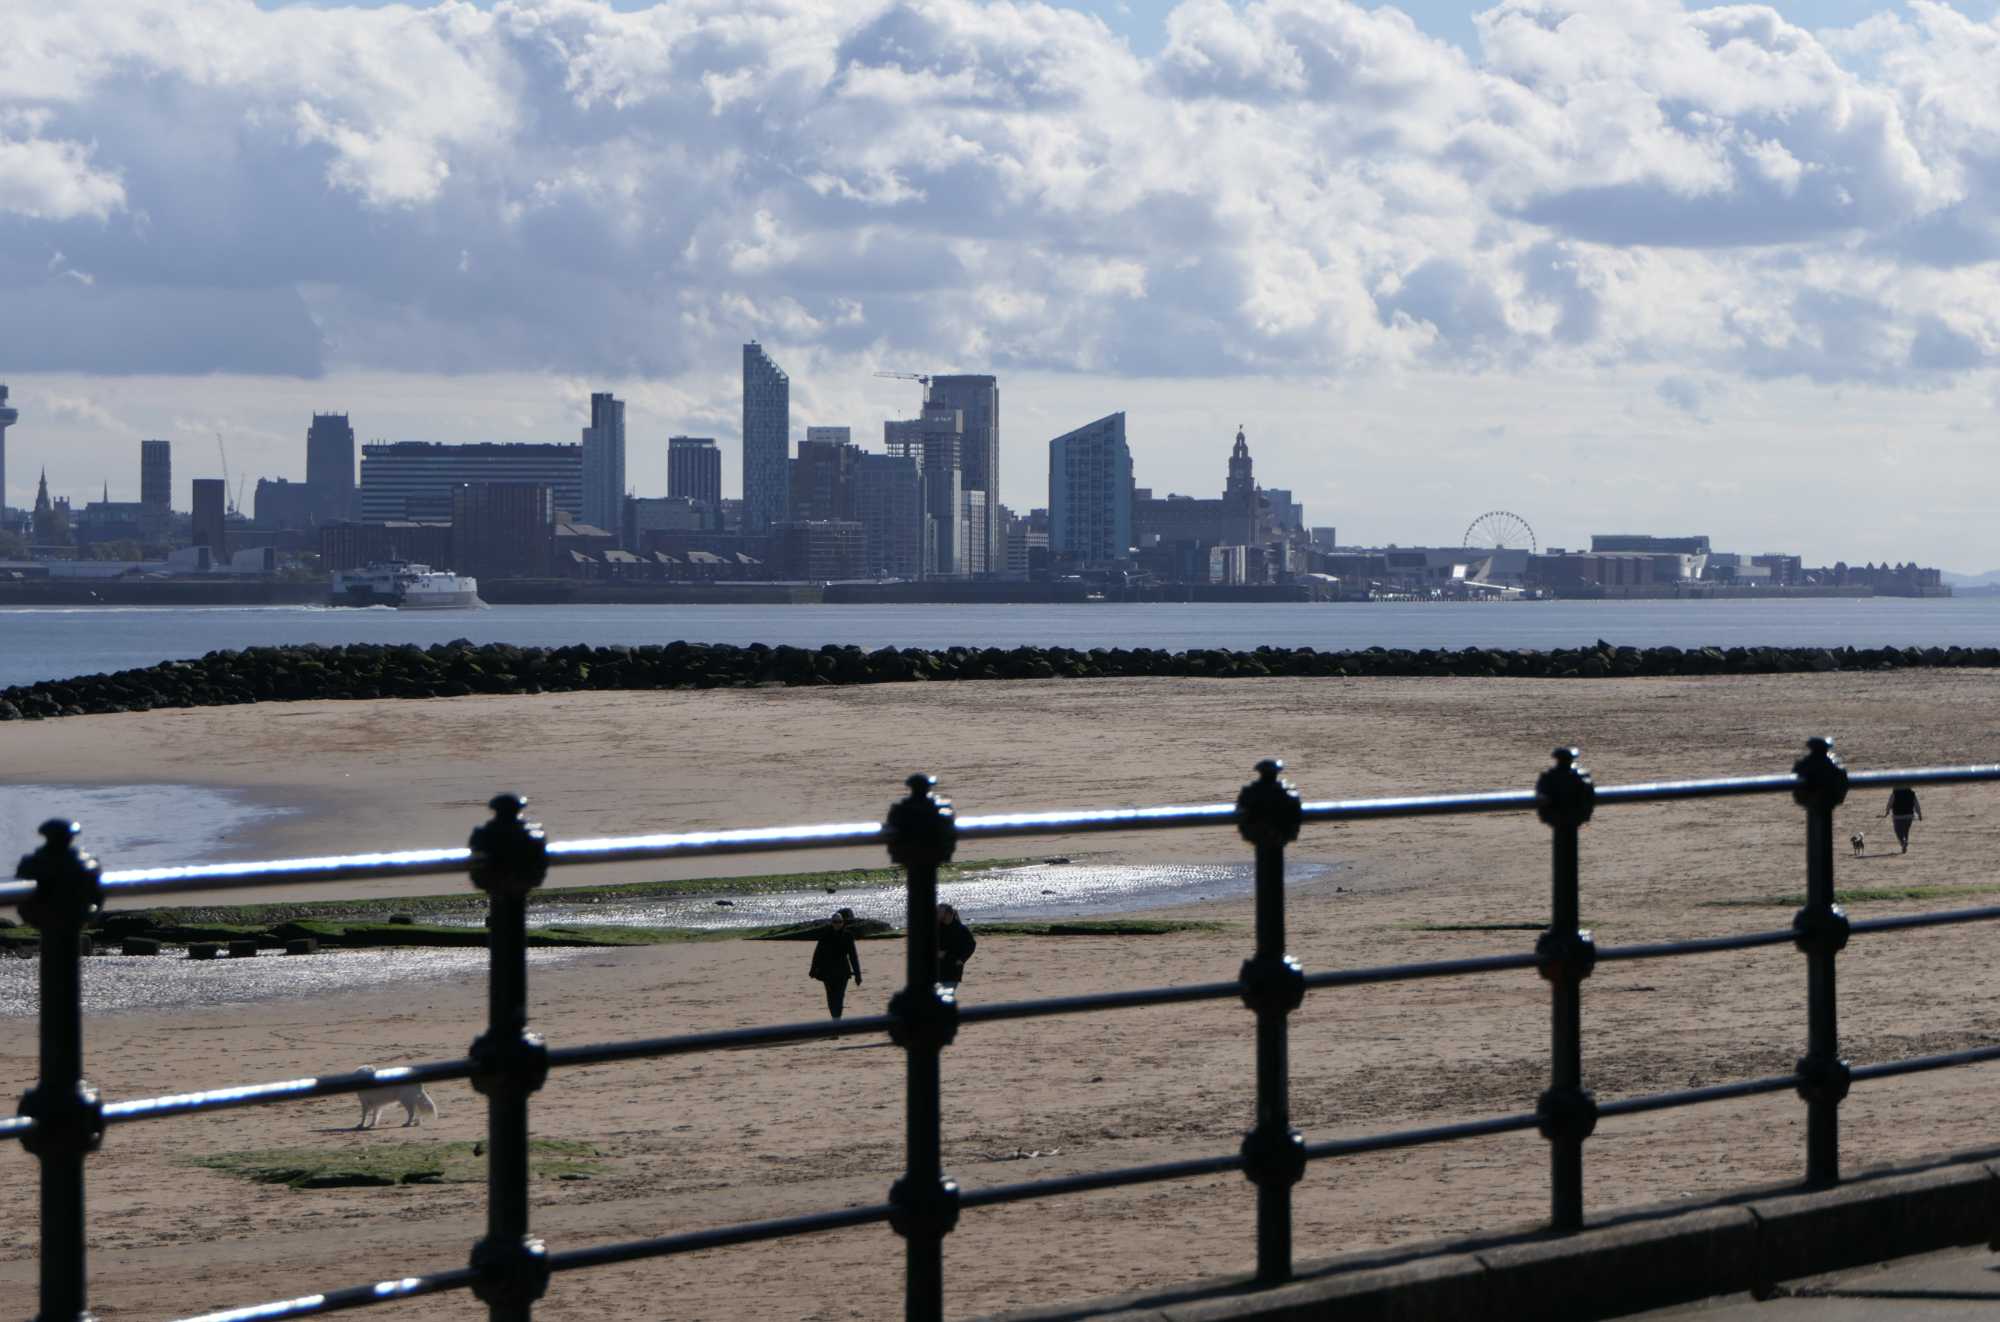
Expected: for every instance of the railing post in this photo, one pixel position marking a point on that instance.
(1268, 814)
(1565, 796)
(922, 835)
(509, 859)
(1820, 930)
(69, 1118)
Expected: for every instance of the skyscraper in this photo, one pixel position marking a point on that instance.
(822, 475)
(8, 417)
(888, 502)
(694, 469)
(767, 439)
(330, 467)
(1090, 492)
(209, 528)
(156, 474)
(937, 442)
(978, 399)
(604, 463)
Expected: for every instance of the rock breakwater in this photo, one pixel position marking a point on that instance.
(365, 671)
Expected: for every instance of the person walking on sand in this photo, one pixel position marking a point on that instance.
(834, 956)
(1902, 810)
(955, 945)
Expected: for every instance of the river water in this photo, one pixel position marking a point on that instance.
(57, 643)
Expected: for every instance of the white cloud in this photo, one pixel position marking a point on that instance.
(1291, 186)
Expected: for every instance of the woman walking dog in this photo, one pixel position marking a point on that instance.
(1902, 810)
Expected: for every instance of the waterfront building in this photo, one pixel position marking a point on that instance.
(936, 442)
(604, 462)
(1237, 519)
(501, 530)
(49, 522)
(282, 505)
(1026, 542)
(413, 480)
(330, 467)
(1645, 543)
(359, 545)
(767, 440)
(156, 475)
(694, 469)
(210, 514)
(977, 398)
(1090, 493)
(820, 550)
(650, 514)
(888, 501)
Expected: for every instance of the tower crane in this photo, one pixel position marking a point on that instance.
(918, 377)
(232, 495)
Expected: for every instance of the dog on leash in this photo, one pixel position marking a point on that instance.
(1857, 840)
(416, 1103)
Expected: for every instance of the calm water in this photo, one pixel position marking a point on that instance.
(133, 826)
(40, 644)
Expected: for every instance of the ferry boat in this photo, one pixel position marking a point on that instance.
(405, 586)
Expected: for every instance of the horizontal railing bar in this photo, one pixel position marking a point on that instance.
(1719, 1092)
(695, 844)
(1943, 918)
(648, 1048)
(1113, 1179)
(1919, 1064)
(354, 1296)
(1118, 1000)
(285, 1090)
(17, 1126)
(1704, 945)
(1443, 968)
(1923, 776)
(1428, 805)
(1416, 1138)
(605, 1255)
(1661, 791)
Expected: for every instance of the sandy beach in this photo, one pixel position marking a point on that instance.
(705, 1140)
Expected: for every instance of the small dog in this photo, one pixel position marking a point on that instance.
(416, 1103)
(1857, 840)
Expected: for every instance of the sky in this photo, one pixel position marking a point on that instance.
(1614, 265)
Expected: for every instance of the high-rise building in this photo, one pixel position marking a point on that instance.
(414, 479)
(9, 415)
(501, 529)
(282, 506)
(694, 469)
(330, 467)
(822, 476)
(209, 510)
(767, 439)
(604, 463)
(888, 503)
(1090, 492)
(978, 399)
(156, 474)
(936, 441)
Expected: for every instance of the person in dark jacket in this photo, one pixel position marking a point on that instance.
(955, 945)
(1902, 810)
(834, 956)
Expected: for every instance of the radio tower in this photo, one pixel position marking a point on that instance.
(8, 417)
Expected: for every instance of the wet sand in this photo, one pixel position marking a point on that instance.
(700, 1141)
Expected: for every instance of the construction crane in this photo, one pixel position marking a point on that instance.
(234, 495)
(908, 376)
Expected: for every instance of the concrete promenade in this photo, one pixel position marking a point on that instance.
(1955, 1284)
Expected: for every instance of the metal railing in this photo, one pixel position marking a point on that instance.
(62, 1120)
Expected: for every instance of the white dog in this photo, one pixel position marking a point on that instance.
(416, 1103)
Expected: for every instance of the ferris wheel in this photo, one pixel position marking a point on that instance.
(1500, 530)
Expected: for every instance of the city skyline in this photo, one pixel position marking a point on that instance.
(1638, 264)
